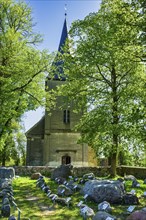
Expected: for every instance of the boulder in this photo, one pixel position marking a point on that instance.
(12, 218)
(101, 215)
(130, 199)
(63, 171)
(7, 172)
(5, 184)
(35, 176)
(137, 215)
(129, 177)
(135, 183)
(110, 190)
(64, 190)
(90, 176)
(5, 210)
(104, 206)
(60, 180)
(86, 211)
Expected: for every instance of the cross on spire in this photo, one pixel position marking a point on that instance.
(65, 8)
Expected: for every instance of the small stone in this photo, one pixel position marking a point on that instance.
(130, 199)
(12, 218)
(35, 176)
(104, 206)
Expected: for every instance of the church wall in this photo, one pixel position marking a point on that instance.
(65, 144)
(34, 151)
(37, 129)
(60, 139)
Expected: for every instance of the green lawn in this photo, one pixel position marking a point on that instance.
(35, 205)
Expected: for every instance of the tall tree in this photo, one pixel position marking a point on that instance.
(106, 78)
(22, 66)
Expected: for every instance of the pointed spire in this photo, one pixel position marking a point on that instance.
(64, 35)
(59, 75)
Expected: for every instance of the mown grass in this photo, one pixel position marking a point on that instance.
(35, 205)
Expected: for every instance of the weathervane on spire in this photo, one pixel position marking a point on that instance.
(65, 8)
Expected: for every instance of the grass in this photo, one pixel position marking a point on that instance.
(35, 205)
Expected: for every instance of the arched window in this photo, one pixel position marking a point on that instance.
(66, 116)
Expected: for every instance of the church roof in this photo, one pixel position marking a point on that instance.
(37, 129)
(64, 36)
(58, 63)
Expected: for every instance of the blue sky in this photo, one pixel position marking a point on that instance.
(49, 17)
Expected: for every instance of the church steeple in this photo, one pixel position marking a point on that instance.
(59, 74)
(64, 36)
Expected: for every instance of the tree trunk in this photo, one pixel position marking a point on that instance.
(115, 122)
(113, 165)
(3, 158)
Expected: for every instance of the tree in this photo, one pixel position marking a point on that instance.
(105, 76)
(14, 149)
(22, 66)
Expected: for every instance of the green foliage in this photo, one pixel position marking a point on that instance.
(22, 66)
(34, 203)
(107, 78)
(14, 150)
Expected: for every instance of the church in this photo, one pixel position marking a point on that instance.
(52, 140)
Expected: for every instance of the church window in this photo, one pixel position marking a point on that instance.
(66, 116)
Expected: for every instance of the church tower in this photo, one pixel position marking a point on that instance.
(52, 141)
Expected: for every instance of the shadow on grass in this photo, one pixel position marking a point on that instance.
(35, 205)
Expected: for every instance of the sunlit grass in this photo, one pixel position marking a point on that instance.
(35, 205)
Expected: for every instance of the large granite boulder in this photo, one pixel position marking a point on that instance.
(7, 172)
(62, 171)
(100, 190)
(137, 215)
(101, 215)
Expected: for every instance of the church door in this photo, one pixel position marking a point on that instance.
(66, 160)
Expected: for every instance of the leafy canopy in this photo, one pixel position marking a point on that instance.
(106, 77)
(22, 65)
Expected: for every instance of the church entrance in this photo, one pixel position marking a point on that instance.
(66, 160)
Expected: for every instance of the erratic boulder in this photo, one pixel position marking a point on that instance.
(100, 190)
(62, 171)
